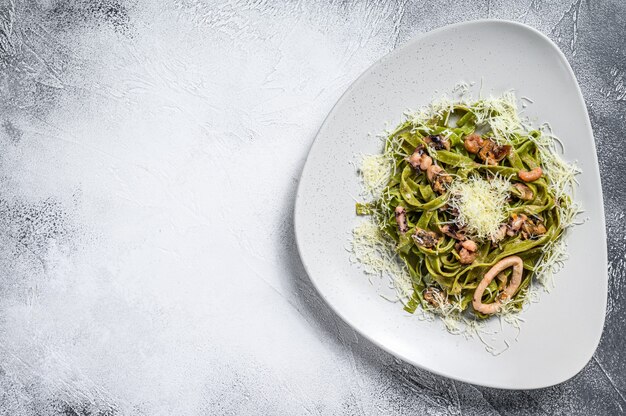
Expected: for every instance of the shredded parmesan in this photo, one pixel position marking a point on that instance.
(555, 254)
(437, 108)
(481, 204)
(461, 88)
(501, 115)
(562, 175)
(376, 254)
(375, 173)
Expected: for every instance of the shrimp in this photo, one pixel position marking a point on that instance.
(473, 143)
(419, 159)
(530, 176)
(438, 178)
(425, 238)
(469, 245)
(486, 149)
(533, 229)
(500, 234)
(467, 252)
(515, 224)
(454, 231)
(491, 153)
(527, 227)
(435, 297)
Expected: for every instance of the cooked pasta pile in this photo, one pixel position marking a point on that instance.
(473, 202)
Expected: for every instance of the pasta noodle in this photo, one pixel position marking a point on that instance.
(455, 203)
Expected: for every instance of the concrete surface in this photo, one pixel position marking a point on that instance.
(149, 155)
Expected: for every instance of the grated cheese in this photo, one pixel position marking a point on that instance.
(501, 115)
(555, 254)
(561, 175)
(461, 88)
(481, 204)
(375, 170)
(377, 256)
(437, 108)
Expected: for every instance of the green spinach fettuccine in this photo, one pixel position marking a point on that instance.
(467, 185)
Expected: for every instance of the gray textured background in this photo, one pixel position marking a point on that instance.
(124, 126)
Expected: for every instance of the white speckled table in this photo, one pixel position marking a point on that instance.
(149, 155)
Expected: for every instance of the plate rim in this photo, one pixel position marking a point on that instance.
(597, 179)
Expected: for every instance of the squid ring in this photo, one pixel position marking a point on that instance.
(516, 279)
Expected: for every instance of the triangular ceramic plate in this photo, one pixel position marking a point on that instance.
(562, 331)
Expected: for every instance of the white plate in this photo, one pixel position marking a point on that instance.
(562, 331)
